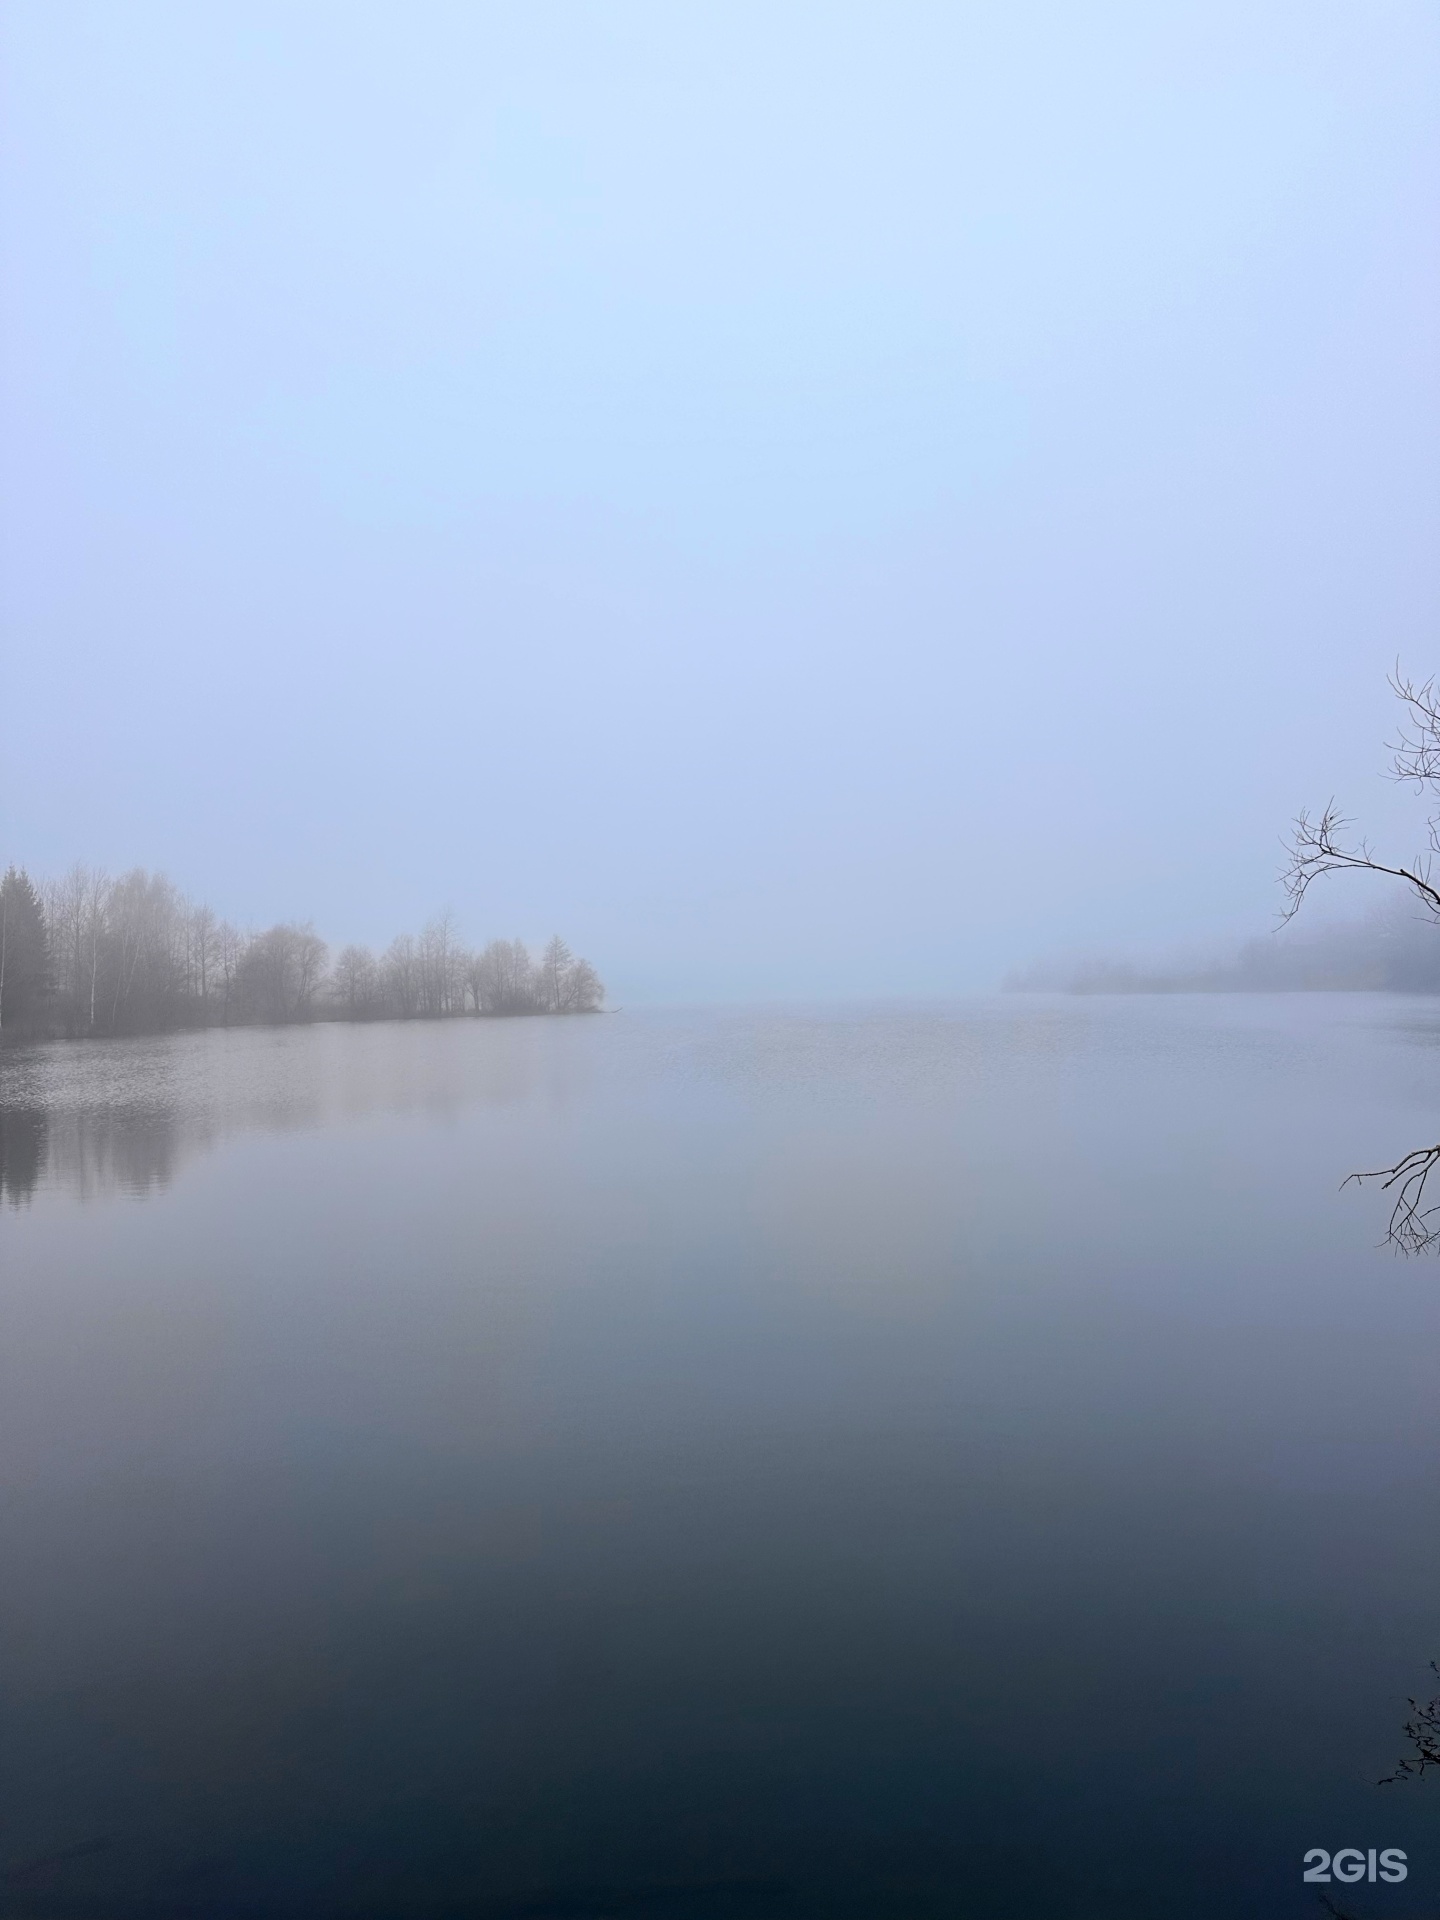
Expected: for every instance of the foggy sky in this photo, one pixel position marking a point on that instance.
(805, 499)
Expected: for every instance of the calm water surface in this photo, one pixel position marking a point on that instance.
(965, 1461)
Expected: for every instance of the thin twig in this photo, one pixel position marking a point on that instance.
(1411, 1228)
(1319, 846)
(1422, 1730)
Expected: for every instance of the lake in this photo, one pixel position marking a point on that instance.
(897, 1461)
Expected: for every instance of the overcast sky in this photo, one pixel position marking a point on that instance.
(806, 499)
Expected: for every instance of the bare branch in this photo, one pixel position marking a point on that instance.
(1319, 846)
(1422, 1730)
(1411, 1228)
(1417, 751)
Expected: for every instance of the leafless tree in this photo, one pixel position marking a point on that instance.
(356, 981)
(1324, 844)
(76, 919)
(555, 976)
(143, 953)
(133, 956)
(440, 962)
(229, 951)
(473, 977)
(310, 954)
(97, 903)
(202, 954)
(280, 972)
(585, 990)
(505, 978)
(400, 972)
(64, 904)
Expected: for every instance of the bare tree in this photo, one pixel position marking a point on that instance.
(401, 973)
(97, 905)
(142, 951)
(473, 977)
(1325, 845)
(554, 976)
(75, 917)
(64, 903)
(279, 973)
(134, 956)
(585, 990)
(310, 956)
(229, 951)
(356, 982)
(202, 954)
(439, 960)
(505, 978)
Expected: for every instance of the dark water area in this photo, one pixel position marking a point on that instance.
(731, 1466)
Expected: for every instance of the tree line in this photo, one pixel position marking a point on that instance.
(1388, 951)
(88, 954)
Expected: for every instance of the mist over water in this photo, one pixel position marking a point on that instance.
(827, 509)
(810, 507)
(752, 1463)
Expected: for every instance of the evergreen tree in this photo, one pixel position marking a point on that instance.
(24, 954)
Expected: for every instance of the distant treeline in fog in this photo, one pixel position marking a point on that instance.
(86, 954)
(1393, 951)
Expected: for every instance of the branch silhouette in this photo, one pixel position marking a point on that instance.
(1422, 1730)
(1322, 845)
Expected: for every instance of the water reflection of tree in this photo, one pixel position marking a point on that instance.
(123, 1118)
(90, 1154)
(115, 1151)
(23, 1133)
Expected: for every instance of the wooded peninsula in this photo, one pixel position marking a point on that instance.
(90, 955)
